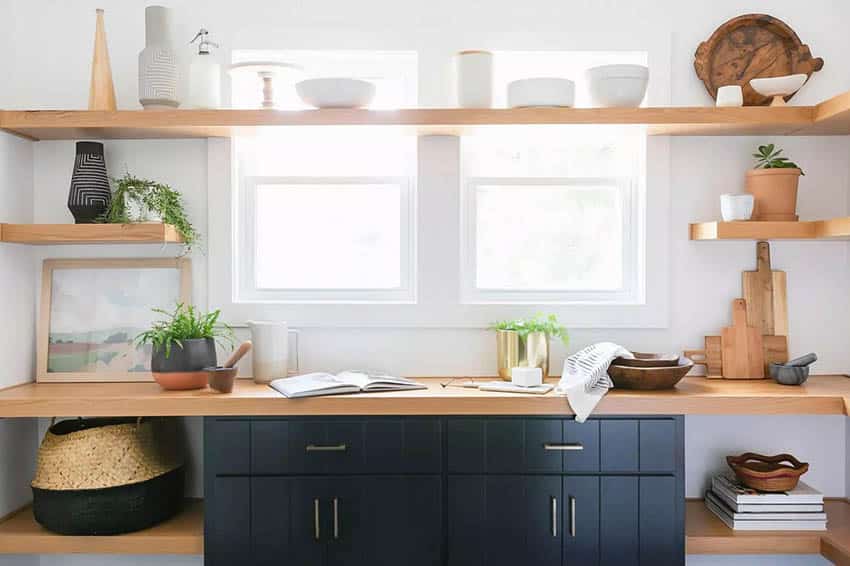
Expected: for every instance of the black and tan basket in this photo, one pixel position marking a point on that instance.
(108, 476)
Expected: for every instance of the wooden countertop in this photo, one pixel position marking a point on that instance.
(821, 395)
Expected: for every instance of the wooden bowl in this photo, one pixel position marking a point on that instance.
(646, 360)
(767, 473)
(181, 380)
(650, 378)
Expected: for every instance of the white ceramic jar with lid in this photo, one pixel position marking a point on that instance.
(474, 72)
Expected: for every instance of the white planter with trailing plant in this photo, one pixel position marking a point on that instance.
(525, 343)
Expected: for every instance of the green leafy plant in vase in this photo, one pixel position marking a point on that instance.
(137, 200)
(525, 342)
(773, 183)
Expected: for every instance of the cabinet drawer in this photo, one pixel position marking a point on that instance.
(345, 446)
(227, 446)
(639, 445)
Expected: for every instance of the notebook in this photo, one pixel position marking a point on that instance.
(316, 384)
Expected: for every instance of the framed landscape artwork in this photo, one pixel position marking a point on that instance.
(92, 310)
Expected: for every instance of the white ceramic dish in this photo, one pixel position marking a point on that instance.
(542, 91)
(736, 207)
(336, 92)
(777, 87)
(618, 86)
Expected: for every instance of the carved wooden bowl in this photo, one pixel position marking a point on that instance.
(651, 378)
(767, 473)
(750, 47)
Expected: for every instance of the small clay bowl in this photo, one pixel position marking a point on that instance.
(789, 375)
(768, 473)
(221, 379)
(181, 380)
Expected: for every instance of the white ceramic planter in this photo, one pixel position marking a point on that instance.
(158, 62)
(736, 207)
(474, 79)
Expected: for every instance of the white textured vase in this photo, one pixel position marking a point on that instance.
(158, 62)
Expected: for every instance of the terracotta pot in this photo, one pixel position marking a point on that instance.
(774, 192)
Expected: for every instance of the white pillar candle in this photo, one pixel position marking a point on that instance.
(474, 70)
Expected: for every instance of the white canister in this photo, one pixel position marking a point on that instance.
(730, 96)
(158, 62)
(736, 207)
(270, 358)
(474, 72)
(526, 377)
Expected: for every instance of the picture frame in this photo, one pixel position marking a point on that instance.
(92, 309)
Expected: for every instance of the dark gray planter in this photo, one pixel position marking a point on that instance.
(195, 355)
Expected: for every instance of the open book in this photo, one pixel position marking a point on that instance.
(315, 384)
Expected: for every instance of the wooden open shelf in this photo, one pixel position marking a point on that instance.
(49, 234)
(183, 534)
(706, 534)
(836, 228)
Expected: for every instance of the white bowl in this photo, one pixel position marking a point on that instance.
(779, 86)
(736, 207)
(541, 91)
(618, 86)
(336, 92)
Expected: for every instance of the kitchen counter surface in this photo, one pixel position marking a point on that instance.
(821, 395)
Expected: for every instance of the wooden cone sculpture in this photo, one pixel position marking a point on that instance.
(102, 90)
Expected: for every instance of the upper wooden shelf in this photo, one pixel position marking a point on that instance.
(182, 534)
(828, 118)
(835, 228)
(706, 534)
(51, 234)
(821, 395)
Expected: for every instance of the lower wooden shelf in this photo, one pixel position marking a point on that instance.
(183, 534)
(706, 534)
(834, 228)
(52, 234)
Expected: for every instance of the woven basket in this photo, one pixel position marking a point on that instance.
(108, 476)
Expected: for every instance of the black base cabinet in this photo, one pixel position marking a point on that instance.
(433, 491)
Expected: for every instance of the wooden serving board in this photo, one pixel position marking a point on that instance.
(775, 349)
(750, 47)
(742, 346)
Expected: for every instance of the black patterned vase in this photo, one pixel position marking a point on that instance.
(90, 194)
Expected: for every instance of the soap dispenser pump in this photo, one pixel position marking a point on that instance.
(204, 74)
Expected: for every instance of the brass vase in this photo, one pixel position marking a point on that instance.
(513, 351)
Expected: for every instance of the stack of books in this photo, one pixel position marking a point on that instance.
(745, 509)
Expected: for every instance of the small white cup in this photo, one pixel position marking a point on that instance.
(527, 377)
(731, 95)
(736, 207)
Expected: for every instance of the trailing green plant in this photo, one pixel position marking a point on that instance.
(156, 197)
(538, 323)
(185, 322)
(768, 157)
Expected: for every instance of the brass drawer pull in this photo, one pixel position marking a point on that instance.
(569, 447)
(572, 516)
(336, 518)
(317, 534)
(326, 448)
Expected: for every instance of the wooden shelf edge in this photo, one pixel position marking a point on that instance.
(182, 534)
(706, 534)
(835, 228)
(69, 234)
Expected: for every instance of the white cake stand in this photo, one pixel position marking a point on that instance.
(267, 71)
(779, 87)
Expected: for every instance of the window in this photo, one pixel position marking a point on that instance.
(327, 215)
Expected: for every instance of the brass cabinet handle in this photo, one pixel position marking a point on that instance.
(316, 529)
(336, 518)
(563, 447)
(326, 447)
(554, 516)
(572, 516)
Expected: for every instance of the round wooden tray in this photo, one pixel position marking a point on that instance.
(750, 47)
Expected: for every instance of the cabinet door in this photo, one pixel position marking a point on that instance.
(618, 521)
(581, 520)
(227, 529)
(504, 520)
(287, 524)
(661, 525)
(404, 520)
(348, 528)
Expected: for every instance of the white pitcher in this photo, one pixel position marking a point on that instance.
(271, 350)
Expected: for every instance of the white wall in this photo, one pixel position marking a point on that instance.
(48, 66)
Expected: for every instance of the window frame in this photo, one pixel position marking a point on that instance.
(629, 294)
(246, 289)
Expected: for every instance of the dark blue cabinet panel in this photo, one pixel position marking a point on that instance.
(581, 520)
(540, 434)
(505, 445)
(467, 512)
(618, 521)
(545, 530)
(658, 447)
(347, 536)
(619, 445)
(585, 435)
(466, 447)
(227, 530)
(395, 446)
(229, 451)
(270, 447)
(661, 539)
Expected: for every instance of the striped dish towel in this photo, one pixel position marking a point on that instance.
(585, 377)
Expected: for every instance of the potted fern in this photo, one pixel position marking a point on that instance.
(773, 183)
(525, 343)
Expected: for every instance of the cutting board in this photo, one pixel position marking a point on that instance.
(742, 346)
(775, 350)
(765, 294)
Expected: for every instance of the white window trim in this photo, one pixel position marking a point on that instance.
(630, 294)
(247, 291)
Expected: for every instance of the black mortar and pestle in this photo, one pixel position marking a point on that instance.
(221, 378)
(794, 372)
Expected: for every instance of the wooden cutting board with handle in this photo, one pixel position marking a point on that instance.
(742, 346)
(766, 296)
(775, 350)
